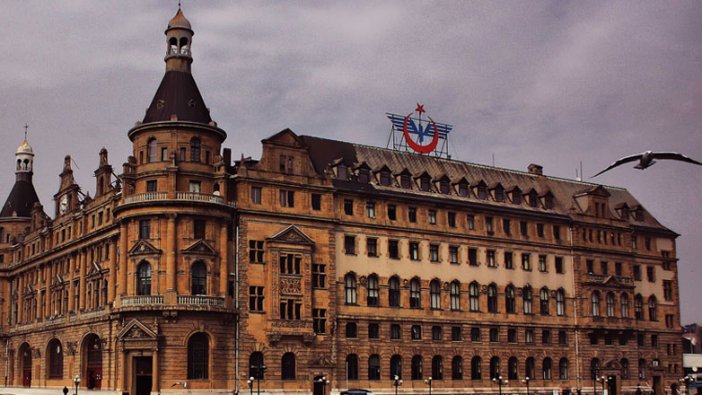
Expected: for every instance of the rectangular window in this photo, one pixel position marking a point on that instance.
(256, 195)
(394, 249)
(316, 201)
(511, 335)
(563, 338)
(255, 251)
(529, 336)
(559, 264)
(667, 290)
(290, 263)
(416, 332)
(434, 252)
(494, 335)
(647, 243)
(509, 262)
(256, 299)
(370, 209)
(651, 274)
(351, 330)
(489, 227)
(287, 198)
(491, 262)
(395, 332)
(556, 232)
(470, 222)
(542, 263)
(451, 219)
(436, 333)
(432, 217)
(412, 214)
(194, 186)
(654, 341)
(546, 336)
(507, 226)
(604, 268)
(669, 320)
(372, 247)
(523, 228)
(453, 254)
(637, 272)
(319, 275)
(199, 226)
(348, 206)
(540, 230)
(475, 334)
(373, 331)
(181, 154)
(590, 266)
(151, 186)
(414, 250)
(290, 309)
(164, 154)
(319, 321)
(618, 268)
(526, 262)
(456, 334)
(350, 245)
(144, 229)
(392, 212)
(473, 256)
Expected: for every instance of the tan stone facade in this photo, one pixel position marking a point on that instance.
(329, 261)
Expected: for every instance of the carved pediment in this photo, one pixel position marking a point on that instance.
(291, 235)
(95, 268)
(58, 280)
(143, 247)
(136, 330)
(324, 361)
(200, 247)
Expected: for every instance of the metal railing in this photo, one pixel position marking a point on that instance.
(141, 299)
(201, 300)
(186, 196)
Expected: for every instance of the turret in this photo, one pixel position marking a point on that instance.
(179, 36)
(23, 195)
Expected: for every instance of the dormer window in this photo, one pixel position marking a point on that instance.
(463, 188)
(444, 186)
(516, 196)
(499, 193)
(385, 178)
(639, 214)
(480, 190)
(341, 172)
(548, 200)
(533, 198)
(363, 175)
(624, 212)
(405, 181)
(425, 183)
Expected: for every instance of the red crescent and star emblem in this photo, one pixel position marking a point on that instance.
(409, 126)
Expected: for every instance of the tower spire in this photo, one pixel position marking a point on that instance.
(179, 37)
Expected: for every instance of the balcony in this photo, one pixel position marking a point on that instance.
(171, 301)
(200, 300)
(141, 300)
(179, 196)
(601, 279)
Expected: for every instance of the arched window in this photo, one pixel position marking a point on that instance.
(256, 365)
(474, 296)
(642, 369)
(530, 368)
(437, 368)
(544, 302)
(435, 294)
(144, 278)
(352, 367)
(374, 367)
(457, 368)
(475, 368)
(350, 288)
(510, 300)
(373, 296)
(512, 368)
(198, 278)
(610, 304)
(638, 307)
(195, 149)
(494, 367)
(492, 298)
(172, 46)
(288, 366)
(563, 369)
(415, 294)
(54, 355)
(455, 293)
(652, 316)
(184, 46)
(394, 292)
(151, 150)
(198, 356)
(395, 366)
(595, 303)
(624, 303)
(417, 367)
(594, 368)
(625, 368)
(560, 302)
(548, 365)
(527, 296)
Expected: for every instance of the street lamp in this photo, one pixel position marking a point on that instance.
(76, 381)
(499, 381)
(428, 381)
(595, 372)
(602, 379)
(324, 382)
(396, 382)
(250, 382)
(259, 369)
(526, 381)
(687, 380)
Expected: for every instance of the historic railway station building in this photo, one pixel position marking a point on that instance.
(327, 265)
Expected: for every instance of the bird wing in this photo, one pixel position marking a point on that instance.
(675, 156)
(621, 161)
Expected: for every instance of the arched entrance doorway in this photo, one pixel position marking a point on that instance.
(25, 364)
(92, 355)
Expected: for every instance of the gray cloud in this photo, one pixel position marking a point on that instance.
(546, 82)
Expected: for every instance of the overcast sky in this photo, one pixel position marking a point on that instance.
(553, 83)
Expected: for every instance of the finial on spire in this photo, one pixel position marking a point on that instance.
(25, 130)
(178, 4)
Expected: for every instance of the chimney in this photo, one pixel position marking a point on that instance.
(536, 169)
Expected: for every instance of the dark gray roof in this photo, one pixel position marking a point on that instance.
(178, 94)
(21, 199)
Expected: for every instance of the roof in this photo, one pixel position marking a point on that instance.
(178, 94)
(21, 199)
(324, 151)
(25, 148)
(179, 21)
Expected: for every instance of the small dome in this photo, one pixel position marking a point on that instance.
(25, 148)
(179, 21)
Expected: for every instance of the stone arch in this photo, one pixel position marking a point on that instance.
(24, 364)
(91, 361)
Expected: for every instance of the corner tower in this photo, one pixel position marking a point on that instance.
(23, 195)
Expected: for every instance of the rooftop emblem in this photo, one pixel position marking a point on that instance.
(421, 136)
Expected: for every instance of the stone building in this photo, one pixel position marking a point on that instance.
(327, 265)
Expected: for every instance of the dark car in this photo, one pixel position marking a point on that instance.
(356, 392)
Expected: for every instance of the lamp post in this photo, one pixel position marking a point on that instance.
(602, 379)
(499, 381)
(428, 381)
(687, 380)
(259, 369)
(396, 382)
(595, 372)
(324, 381)
(250, 382)
(76, 381)
(526, 381)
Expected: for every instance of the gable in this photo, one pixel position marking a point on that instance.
(143, 247)
(291, 235)
(135, 329)
(200, 247)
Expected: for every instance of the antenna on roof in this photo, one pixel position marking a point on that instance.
(25, 130)
(581, 170)
(493, 159)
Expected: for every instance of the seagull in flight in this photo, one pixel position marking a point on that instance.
(646, 159)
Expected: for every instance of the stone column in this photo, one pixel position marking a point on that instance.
(223, 259)
(171, 269)
(83, 256)
(154, 374)
(47, 296)
(20, 299)
(112, 280)
(123, 258)
(71, 288)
